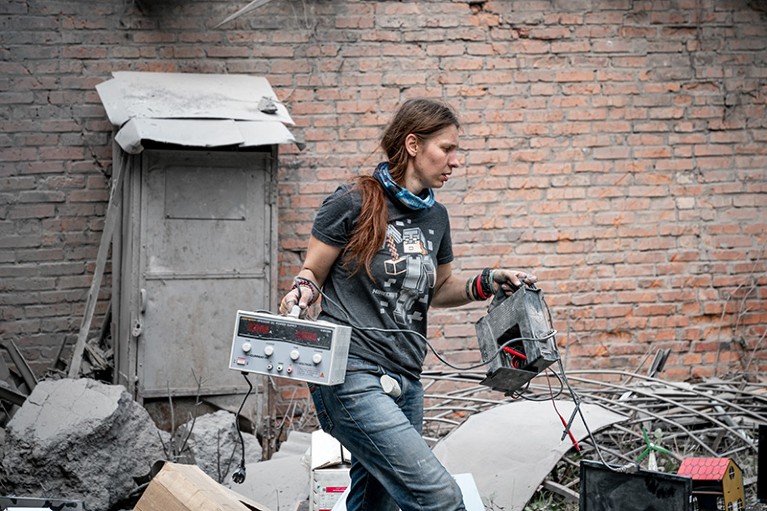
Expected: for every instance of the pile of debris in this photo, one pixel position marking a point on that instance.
(663, 422)
(16, 381)
(85, 441)
(82, 440)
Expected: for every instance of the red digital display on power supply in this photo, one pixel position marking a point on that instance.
(283, 329)
(306, 335)
(255, 327)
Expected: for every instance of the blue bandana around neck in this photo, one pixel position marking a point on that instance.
(402, 195)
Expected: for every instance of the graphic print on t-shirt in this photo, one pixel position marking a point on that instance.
(412, 267)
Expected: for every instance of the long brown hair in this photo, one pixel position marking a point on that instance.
(422, 118)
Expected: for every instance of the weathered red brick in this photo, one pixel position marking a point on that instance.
(596, 152)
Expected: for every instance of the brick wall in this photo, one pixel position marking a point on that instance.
(616, 148)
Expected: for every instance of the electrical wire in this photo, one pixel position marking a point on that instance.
(568, 428)
(562, 377)
(552, 394)
(564, 381)
(239, 474)
(501, 348)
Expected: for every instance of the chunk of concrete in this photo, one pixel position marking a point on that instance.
(214, 444)
(281, 483)
(79, 439)
(298, 443)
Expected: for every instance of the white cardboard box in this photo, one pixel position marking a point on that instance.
(471, 497)
(328, 484)
(329, 472)
(330, 466)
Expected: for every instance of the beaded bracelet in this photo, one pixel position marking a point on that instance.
(302, 282)
(469, 288)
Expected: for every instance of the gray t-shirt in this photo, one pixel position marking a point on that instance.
(404, 271)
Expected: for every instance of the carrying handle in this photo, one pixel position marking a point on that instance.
(500, 295)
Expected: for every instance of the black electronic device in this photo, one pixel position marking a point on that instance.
(519, 316)
(761, 466)
(607, 489)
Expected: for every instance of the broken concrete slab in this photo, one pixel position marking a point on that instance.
(511, 448)
(214, 444)
(296, 444)
(281, 483)
(79, 439)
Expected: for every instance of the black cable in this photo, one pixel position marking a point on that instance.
(351, 323)
(239, 474)
(563, 381)
(441, 359)
(540, 400)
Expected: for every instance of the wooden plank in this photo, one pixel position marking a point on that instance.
(28, 377)
(113, 210)
(562, 490)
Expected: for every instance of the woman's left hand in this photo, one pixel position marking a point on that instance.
(511, 280)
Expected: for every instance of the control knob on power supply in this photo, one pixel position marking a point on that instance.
(317, 358)
(246, 347)
(268, 350)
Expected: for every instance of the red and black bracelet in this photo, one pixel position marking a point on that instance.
(480, 287)
(299, 282)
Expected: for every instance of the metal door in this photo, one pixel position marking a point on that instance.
(205, 251)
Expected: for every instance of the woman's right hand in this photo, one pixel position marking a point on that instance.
(307, 284)
(300, 295)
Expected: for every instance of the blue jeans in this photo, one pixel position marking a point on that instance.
(392, 465)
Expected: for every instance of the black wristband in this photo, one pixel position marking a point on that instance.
(486, 281)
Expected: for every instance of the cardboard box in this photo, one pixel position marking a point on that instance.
(328, 484)
(471, 497)
(330, 466)
(180, 487)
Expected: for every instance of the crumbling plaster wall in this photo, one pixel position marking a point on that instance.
(614, 147)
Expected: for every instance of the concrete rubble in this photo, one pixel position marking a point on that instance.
(213, 444)
(84, 440)
(87, 441)
(79, 439)
(283, 481)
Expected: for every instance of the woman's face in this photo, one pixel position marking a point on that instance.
(432, 160)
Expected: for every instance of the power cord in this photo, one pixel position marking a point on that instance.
(239, 475)
(561, 377)
(351, 323)
(631, 467)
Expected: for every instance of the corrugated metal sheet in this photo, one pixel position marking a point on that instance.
(189, 109)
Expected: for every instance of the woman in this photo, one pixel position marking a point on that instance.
(381, 252)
